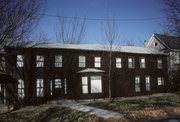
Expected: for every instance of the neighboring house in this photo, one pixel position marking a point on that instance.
(171, 46)
(51, 71)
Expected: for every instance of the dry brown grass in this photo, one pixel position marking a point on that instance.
(150, 114)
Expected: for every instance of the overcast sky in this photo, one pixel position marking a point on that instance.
(132, 30)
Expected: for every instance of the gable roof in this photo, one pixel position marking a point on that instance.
(171, 42)
(100, 47)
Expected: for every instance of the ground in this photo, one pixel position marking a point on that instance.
(142, 109)
(137, 109)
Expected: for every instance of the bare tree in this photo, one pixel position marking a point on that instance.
(70, 30)
(172, 11)
(111, 34)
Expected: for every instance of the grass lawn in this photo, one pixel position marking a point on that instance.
(143, 108)
(55, 114)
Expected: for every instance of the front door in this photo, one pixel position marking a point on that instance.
(57, 88)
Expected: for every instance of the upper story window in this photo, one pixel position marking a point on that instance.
(142, 62)
(39, 61)
(137, 84)
(58, 61)
(159, 63)
(118, 63)
(58, 83)
(82, 61)
(131, 63)
(40, 88)
(20, 61)
(160, 81)
(21, 88)
(97, 61)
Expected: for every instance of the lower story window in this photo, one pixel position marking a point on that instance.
(84, 85)
(96, 84)
(40, 88)
(137, 84)
(160, 81)
(21, 88)
(0, 88)
(65, 86)
(51, 87)
(148, 87)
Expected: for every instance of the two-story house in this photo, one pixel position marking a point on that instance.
(171, 46)
(81, 71)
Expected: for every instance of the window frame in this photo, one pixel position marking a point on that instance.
(133, 62)
(57, 83)
(40, 88)
(119, 63)
(84, 85)
(160, 81)
(58, 61)
(142, 64)
(159, 65)
(137, 84)
(82, 61)
(39, 61)
(148, 85)
(97, 62)
(20, 61)
(21, 88)
(100, 88)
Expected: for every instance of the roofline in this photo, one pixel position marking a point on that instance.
(161, 42)
(150, 40)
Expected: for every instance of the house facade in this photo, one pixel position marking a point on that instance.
(55, 71)
(171, 46)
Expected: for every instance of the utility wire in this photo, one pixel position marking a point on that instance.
(103, 19)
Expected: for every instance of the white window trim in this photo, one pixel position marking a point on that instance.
(148, 85)
(142, 64)
(118, 62)
(21, 88)
(97, 62)
(58, 83)
(95, 79)
(82, 61)
(39, 61)
(40, 88)
(159, 64)
(137, 84)
(85, 89)
(133, 62)
(58, 61)
(20, 61)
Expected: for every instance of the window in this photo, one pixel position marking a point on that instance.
(58, 61)
(20, 61)
(97, 61)
(137, 84)
(40, 88)
(148, 87)
(160, 81)
(84, 85)
(39, 61)
(131, 62)
(96, 84)
(142, 62)
(118, 63)
(51, 87)
(65, 86)
(159, 63)
(58, 83)
(155, 44)
(21, 88)
(82, 61)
